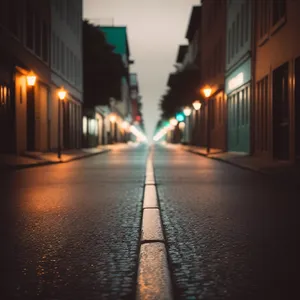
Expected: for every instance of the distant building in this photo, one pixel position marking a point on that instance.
(25, 111)
(117, 37)
(238, 75)
(135, 98)
(66, 70)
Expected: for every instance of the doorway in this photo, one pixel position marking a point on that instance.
(30, 119)
(297, 107)
(281, 127)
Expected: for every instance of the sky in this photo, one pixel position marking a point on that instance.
(155, 29)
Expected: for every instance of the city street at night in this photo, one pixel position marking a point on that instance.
(71, 231)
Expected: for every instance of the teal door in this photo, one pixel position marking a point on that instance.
(239, 121)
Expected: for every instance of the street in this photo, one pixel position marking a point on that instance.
(71, 231)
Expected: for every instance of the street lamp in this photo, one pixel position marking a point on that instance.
(113, 118)
(207, 91)
(31, 79)
(197, 105)
(187, 112)
(61, 97)
(173, 122)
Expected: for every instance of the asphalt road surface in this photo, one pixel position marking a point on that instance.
(71, 231)
(231, 233)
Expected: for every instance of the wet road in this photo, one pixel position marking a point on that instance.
(231, 233)
(71, 231)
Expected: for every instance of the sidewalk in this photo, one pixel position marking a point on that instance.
(257, 164)
(33, 159)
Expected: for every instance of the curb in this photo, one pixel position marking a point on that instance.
(153, 278)
(47, 163)
(228, 162)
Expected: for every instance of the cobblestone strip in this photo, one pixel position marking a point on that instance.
(153, 280)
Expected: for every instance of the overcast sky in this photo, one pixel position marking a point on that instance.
(155, 28)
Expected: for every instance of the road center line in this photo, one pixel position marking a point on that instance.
(154, 281)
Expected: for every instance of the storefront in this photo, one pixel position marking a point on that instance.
(238, 89)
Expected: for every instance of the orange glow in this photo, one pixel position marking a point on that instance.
(31, 79)
(62, 94)
(207, 92)
(113, 118)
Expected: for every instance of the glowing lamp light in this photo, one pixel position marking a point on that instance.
(62, 94)
(173, 122)
(180, 117)
(31, 79)
(125, 125)
(207, 92)
(187, 111)
(181, 125)
(197, 105)
(113, 118)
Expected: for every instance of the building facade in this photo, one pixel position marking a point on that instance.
(66, 71)
(213, 121)
(25, 51)
(117, 37)
(277, 80)
(238, 75)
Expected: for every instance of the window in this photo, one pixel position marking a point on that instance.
(237, 43)
(242, 24)
(220, 105)
(264, 9)
(75, 71)
(53, 50)
(247, 105)
(62, 57)
(67, 62)
(71, 66)
(29, 27)
(57, 54)
(262, 114)
(4, 95)
(233, 111)
(229, 46)
(233, 40)
(213, 112)
(45, 42)
(247, 21)
(243, 105)
(279, 10)
(238, 109)
(38, 34)
(13, 17)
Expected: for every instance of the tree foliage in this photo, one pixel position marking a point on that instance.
(182, 92)
(102, 68)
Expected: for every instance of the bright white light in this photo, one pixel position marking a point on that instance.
(236, 81)
(173, 122)
(197, 105)
(84, 125)
(187, 111)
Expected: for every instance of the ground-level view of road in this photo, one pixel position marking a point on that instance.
(73, 230)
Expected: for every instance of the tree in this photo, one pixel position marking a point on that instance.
(102, 68)
(183, 90)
